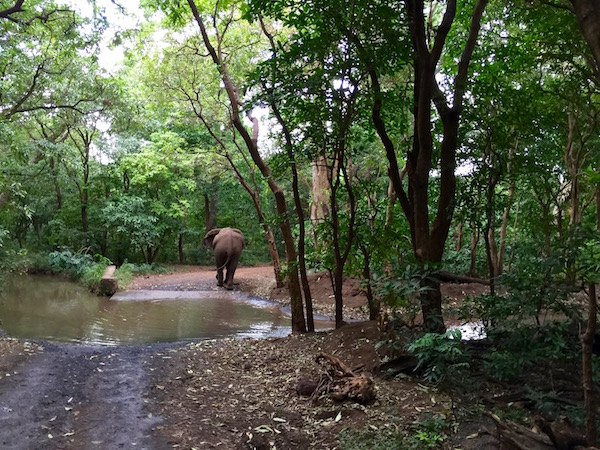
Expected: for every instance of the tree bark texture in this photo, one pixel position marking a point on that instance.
(474, 241)
(4, 197)
(319, 208)
(587, 341)
(235, 102)
(210, 211)
(588, 18)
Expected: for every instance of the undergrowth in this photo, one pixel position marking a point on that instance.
(426, 434)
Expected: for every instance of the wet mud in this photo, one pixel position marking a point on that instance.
(82, 397)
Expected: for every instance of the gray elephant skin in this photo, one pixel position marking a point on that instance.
(227, 244)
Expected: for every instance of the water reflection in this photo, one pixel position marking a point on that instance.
(38, 307)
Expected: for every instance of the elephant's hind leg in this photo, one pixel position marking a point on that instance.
(231, 272)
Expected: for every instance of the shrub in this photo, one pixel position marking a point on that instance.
(69, 263)
(438, 353)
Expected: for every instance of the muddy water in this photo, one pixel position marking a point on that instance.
(37, 307)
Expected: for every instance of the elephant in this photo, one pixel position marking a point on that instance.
(227, 244)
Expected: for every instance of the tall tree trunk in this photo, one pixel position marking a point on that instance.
(392, 197)
(180, 248)
(4, 196)
(310, 322)
(573, 164)
(504, 225)
(587, 341)
(374, 305)
(597, 206)
(57, 189)
(588, 18)
(210, 211)
(319, 208)
(504, 228)
(235, 101)
(459, 236)
(474, 241)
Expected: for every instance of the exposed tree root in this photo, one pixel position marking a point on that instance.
(341, 381)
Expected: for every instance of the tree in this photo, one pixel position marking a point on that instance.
(428, 238)
(213, 42)
(184, 75)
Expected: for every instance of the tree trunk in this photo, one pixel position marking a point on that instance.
(503, 230)
(573, 164)
(210, 211)
(274, 254)
(84, 218)
(428, 242)
(296, 304)
(4, 196)
(298, 204)
(341, 254)
(57, 190)
(490, 259)
(319, 208)
(597, 206)
(588, 18)
(504, 226)
(180, 248)
(474, 241)
(587, 341)
(459, 237)
(374, 305)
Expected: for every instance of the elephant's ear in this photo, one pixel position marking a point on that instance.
(210, 236)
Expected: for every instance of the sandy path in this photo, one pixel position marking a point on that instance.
(257, 280)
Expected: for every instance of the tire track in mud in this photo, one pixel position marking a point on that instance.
(81, 397)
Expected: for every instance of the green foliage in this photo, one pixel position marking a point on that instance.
(438, 354)
(91, 275)
(400, 290)
(126, 271)
(526, 347)
(428, 433)
(69, 263)
(535, 287)
(371, 440)
(79, 266)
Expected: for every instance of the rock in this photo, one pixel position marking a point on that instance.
(108, 283)
(306, 387)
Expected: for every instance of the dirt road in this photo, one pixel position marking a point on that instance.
(81, 397)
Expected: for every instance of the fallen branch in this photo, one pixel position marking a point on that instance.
(559, 434)
(516, 436)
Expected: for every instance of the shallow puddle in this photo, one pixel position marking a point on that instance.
(39, 307)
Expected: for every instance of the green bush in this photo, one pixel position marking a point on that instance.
(91, 275)
(428, 433)
(438, 353)
(69, 263)
(528, 346)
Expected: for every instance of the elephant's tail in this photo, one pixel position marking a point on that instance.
(226, 262)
